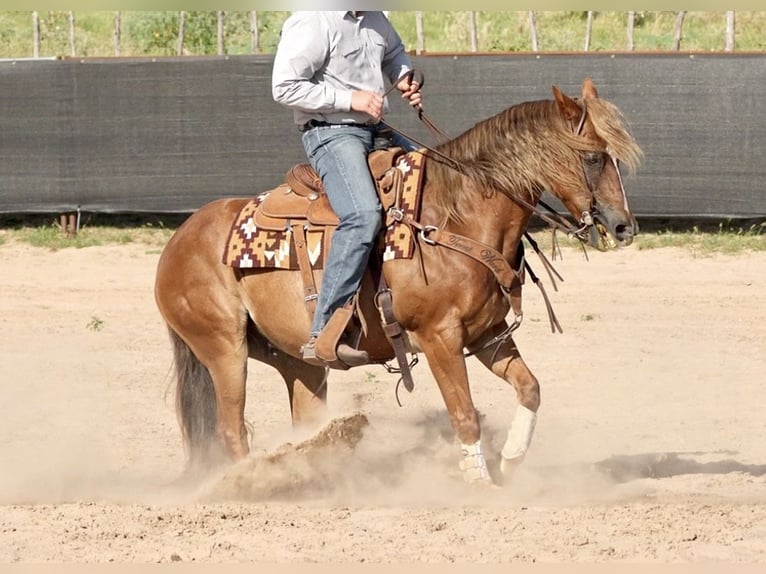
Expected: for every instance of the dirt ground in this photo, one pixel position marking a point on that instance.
(650, 446)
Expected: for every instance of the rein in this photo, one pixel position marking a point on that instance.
(484, 254)
(506, 276)
(555, 220)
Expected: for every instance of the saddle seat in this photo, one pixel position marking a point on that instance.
(302, 196)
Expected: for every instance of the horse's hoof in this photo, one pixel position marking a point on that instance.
(509, 465)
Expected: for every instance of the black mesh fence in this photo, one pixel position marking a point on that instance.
(169, 135)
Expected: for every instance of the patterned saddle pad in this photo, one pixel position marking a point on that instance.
(251, 247)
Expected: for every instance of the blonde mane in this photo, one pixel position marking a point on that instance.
(514, 151)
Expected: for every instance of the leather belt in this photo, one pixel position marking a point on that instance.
(320, 124)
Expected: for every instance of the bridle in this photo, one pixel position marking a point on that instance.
(507, 277)
(588, 217)
(540, 209)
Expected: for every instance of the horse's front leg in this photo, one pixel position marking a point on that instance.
(506, 362)
(444, 352)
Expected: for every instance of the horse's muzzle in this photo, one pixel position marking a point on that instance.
(609, 233)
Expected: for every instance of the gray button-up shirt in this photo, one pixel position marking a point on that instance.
(323, 57)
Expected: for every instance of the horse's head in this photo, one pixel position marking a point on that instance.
(593, 192)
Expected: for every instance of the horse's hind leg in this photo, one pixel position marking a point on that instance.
(229, 371)
(200, 300)
(226, 361)
(211, 344)
(506, 363)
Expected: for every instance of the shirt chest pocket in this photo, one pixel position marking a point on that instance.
(358, 50)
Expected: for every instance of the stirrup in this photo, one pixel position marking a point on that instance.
(309, 355)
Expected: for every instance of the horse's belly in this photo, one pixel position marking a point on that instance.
(275, 302)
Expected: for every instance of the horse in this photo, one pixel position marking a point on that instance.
(481, 187)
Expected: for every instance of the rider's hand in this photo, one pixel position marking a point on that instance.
(369, 103)
(410, 90)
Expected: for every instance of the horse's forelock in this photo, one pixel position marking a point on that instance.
(610, 125)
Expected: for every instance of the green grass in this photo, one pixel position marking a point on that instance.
(95, 324)
(50, 236)
(149, 33)
(565, 31)
(728, 238)
(700, 239)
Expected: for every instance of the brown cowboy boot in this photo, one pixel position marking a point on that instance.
(351, 356)
(344, 353)
(331, 347)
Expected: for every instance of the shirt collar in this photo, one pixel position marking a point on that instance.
(355, 14)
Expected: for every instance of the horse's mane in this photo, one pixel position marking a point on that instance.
(507, 153)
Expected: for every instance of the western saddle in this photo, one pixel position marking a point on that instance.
(301, 204)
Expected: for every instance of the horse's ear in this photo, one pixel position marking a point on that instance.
(567, 106)
(589, 89)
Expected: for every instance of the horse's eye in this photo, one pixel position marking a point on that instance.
(593, 159)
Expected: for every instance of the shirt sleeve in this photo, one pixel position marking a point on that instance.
(303, 49)
(396, 62)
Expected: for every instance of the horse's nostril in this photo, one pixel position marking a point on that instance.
(623, 231)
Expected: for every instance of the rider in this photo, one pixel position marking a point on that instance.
(330, 69)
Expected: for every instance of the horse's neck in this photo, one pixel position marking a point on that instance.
(509, 151)
(490, 218)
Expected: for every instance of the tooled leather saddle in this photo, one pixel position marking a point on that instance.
(301, 205)
(303, 197)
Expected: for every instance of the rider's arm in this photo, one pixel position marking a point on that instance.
(303, 49)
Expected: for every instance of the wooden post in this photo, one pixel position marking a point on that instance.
(72, 48)
(533, 30)
(117, 33)
(68, 224)
(421, 46)
(631, 26)
(588, 30)
(219, 34)
(256, 38)
(678, 28)
(730, 25)
(181, 33)
(35, 35)
(474, 33)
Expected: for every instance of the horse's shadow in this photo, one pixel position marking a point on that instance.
(619, 468)
(625, 468)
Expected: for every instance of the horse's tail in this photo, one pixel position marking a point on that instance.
(195, 404)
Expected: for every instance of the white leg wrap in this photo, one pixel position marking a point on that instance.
(520, 434)
(474, 465)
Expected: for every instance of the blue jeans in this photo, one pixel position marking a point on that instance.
(339, 155)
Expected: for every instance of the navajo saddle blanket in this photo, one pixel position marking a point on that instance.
(273, 228)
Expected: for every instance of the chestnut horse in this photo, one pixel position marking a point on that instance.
(445, 301)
